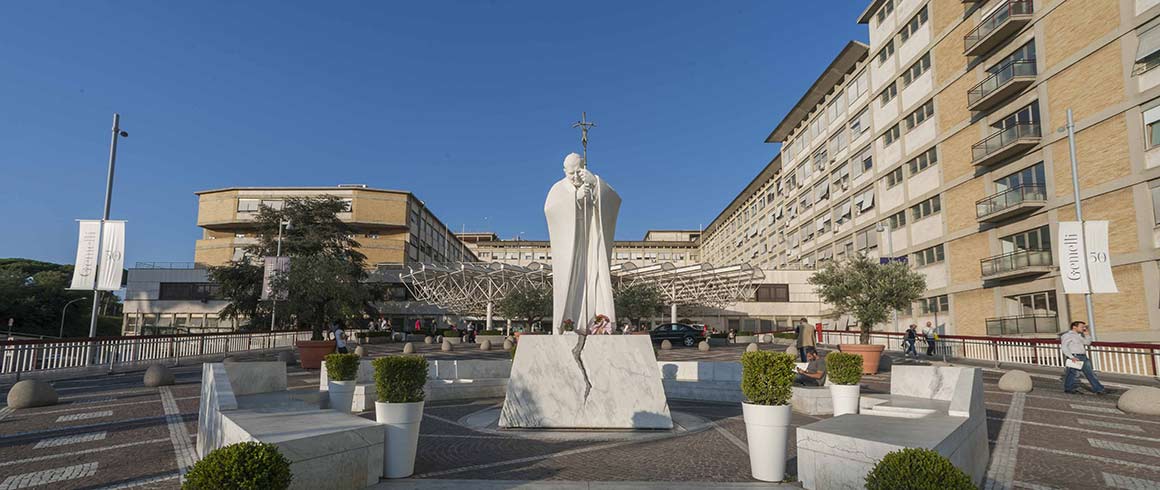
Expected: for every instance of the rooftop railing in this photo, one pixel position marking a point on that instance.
(996, 20)
(1009, 71)
(998, 141)
(1016, 261)
(1010, 198)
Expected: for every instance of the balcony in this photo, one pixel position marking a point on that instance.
(1011, 202)
(1012, 78)
(1005, 144)
(1023, 324)
(1019, 263)
(998, 26)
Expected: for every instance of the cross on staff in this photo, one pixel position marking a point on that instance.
(584, 126)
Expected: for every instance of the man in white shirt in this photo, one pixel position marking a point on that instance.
(1074, 344)
(340, 337)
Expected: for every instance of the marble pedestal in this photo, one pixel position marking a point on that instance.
(547, 385)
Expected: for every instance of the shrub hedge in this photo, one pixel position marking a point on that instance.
(767, 377)
(342, 367)
(917, 469)
(243, 466)
(844, 368)
(489, 332)
(400, 379)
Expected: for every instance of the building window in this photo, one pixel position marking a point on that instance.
(1036, 239)
(920, 115)
(1030, 176)
(923, 161)
(940, 304)
(887, 94)
(822, 191)
(891, 135)
(897, 220)
(859, 86)
(824, 224)
(837, 143)
(886, 52)
(820, 159)
(926, 208)
(864, 201)
(841, 177)
(276, 204)
(866, 240)
(932, 255)
(894, 177)
(863, 163)
(860, 123)
(1152, 127)
(1155, 185)
(887, 9)
(842, 213)
(188, 291)
(249, 205)
(1148, 52)
(916, 70)
(915, 23)
(772, 293)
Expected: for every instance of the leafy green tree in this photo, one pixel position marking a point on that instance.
(638, 300)
(327, 279)
(34, 294)
(866, 290)
(528, 303)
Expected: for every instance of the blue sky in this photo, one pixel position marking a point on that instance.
(466, 104)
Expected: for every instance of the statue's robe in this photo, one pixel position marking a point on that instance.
(581, 235)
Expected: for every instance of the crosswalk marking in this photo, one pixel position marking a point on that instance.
(1122, 447)
(1110, 425)
(99, 449)
(71, 439)
(1129, 483)
(84, 416)
(1093, 408)
(94, 400)
(45, 477)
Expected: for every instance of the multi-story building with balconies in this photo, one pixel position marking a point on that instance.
(955, 103)
(679, 247)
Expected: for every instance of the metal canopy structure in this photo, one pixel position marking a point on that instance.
(474, 287)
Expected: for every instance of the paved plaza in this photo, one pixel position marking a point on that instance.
(111, 432)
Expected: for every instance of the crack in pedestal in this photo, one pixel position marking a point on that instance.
(576, 351)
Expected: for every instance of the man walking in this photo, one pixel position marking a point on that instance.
(928, 333)
(805, 338)
(1074, 346)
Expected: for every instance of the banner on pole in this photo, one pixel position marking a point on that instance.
(1099, 263)
(85, 270)
(112, 265)
(273, 267)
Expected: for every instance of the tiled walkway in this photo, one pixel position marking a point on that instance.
(110, 432)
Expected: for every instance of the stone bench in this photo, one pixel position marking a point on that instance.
(938, 408)
(446, 380)
(248, 401)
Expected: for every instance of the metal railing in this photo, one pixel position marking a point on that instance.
(996, 19)
(1015, 261)
(23, 356)
(1022, 324)
(1009, 198)
(1006, 73)
(1110, 357)
(998, 141)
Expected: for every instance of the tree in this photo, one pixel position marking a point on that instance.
(34, 293)
(327, 279)
(637, 301)
(867, 291)
(529, 303)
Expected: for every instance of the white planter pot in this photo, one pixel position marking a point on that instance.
(341, 395)
(845, 398)
(767, 430)
(401, 436)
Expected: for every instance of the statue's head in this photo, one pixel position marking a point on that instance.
(573, 165)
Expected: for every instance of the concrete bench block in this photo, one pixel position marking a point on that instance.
(812, 400)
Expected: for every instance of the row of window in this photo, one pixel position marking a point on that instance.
(252, 205)
(908, 30)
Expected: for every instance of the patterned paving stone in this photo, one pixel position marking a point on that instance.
(71, 439)
(45, 477)
(84, 416)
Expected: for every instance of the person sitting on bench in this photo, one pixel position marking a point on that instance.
(815, 372)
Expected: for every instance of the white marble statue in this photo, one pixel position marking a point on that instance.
(581, 209)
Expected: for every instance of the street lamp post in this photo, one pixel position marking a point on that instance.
(62, 312)
(117, 133)
(282, 225)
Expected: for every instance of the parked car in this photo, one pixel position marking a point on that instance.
(686, 335)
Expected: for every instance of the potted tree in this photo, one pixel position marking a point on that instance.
(844, 371)
(341, 369)
(400, 381)
(869, 292)
(767, 382)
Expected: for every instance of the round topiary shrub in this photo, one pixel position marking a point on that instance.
(342, 367)
(844, 368)
(245, 465)
(917, 469)
(767, 377)
(400, 379)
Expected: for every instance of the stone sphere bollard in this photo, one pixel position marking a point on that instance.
(485, 345)
(31, 393)
(287, 357)
(446, 346)
(439, 339)
(703, 346)
(158, 375)
(428, 340)
(752, 347)
(408, 348)
(508, 345)
(360, 351)
(1015, 381)
(1140, 400)
(666, 345)
(791, 350)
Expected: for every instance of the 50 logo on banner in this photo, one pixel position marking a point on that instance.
(1085, 266)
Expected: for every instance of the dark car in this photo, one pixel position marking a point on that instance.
(679, 333)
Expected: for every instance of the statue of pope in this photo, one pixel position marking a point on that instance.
(581, 209)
